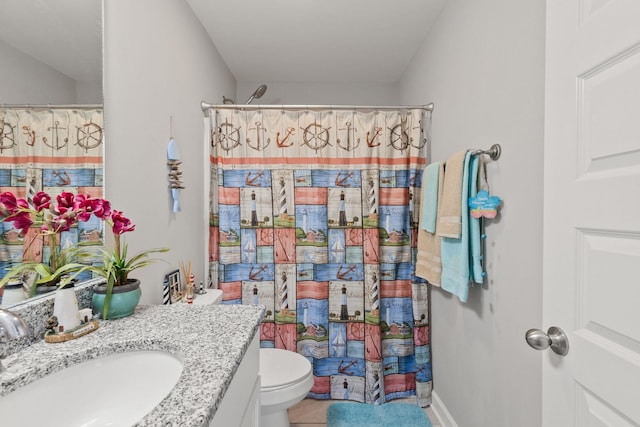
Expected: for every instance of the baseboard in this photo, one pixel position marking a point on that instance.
(441, 412)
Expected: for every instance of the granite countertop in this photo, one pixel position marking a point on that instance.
(209, 340)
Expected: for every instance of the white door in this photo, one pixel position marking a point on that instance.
(591, 276)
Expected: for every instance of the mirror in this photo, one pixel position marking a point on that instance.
(51, 54)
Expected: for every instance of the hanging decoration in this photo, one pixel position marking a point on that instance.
(175, 175)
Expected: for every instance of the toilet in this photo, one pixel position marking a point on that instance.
(285, 377)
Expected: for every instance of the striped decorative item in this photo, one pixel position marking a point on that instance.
(371, 199)
(166, 299)
(284, 301)
(283, 197)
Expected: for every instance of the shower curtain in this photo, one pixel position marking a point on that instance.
(313, 214)
(51, 150)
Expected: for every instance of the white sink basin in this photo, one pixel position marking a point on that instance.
(115, 390)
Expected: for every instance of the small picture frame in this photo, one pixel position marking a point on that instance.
(173, 288)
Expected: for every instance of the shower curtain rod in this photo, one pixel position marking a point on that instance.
(51, 106)
(206, 106)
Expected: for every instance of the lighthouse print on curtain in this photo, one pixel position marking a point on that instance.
(313, 214)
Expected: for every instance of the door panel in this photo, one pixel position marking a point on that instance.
(591, 214)
(609, 304)
(608, 127)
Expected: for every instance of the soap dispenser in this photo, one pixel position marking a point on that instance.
(65, 308)
(13, 293)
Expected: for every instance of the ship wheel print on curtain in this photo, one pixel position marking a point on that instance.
(400, 139)
(89, 135)
(8, 137)
(227, 135)
(316, 136)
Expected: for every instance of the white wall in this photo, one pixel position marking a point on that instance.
(159, 63)
(25, 80)
(88, 92)
(483, 66)
(319, 93)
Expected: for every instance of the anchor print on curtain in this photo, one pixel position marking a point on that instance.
(314, 216)
(51, 150)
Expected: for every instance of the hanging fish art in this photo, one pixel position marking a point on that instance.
(175, 175)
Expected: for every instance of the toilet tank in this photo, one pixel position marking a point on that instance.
(213, 296)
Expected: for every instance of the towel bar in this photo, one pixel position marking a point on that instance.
(493, 152)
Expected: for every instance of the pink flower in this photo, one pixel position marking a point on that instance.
(120, 223)
(22, 221)
(80, 200)
(8, 204)
(41, 201)
(22, 204)
(82, 205)
(101, 208)
(62, 223)
(66, 201)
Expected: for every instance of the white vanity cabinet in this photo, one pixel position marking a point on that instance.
(241, 403)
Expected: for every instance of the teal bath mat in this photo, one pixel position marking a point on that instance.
(348, 414)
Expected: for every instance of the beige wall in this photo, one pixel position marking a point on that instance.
(158, 64)
(483, 66)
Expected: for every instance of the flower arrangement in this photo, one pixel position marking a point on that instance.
(51, 219)
(116, 263)
(55, 218)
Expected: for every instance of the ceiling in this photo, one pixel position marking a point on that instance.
(317, 40)
(64, 34)
(260, 40)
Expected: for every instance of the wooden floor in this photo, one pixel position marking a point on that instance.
(313, 413)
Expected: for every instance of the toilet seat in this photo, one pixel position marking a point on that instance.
(280, 369)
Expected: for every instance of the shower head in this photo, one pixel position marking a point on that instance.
(257, 94)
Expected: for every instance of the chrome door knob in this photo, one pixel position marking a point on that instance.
(554, 338)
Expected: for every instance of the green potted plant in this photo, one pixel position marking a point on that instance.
(119, 295)
(50, 219)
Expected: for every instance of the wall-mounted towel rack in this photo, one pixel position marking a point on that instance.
(493, 152)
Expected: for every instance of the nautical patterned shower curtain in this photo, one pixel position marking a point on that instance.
(51, 150)
(313, 214)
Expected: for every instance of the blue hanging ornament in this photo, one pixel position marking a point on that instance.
(484, 205)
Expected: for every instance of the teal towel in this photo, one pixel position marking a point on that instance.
(430, 197)
(350, 414)
(455, 252)
(474, 225)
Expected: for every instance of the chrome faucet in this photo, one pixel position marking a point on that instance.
(12, 326)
